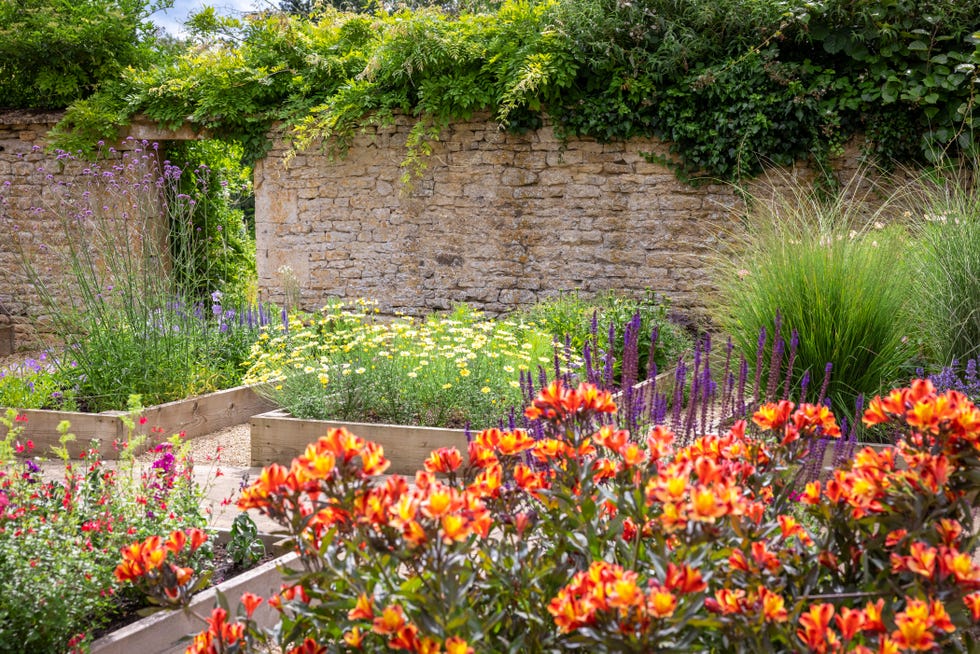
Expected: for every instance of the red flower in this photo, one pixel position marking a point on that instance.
(250, 601)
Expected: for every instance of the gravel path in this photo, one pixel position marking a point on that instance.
(229, 447)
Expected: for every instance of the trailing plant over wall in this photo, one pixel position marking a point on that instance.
(729, 83)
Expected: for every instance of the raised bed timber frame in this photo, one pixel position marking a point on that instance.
(277, 437)
(194, 416)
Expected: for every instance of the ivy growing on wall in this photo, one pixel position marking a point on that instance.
(729, 83)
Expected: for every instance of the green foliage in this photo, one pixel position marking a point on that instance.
(947, 260)
(837, 277)
(570, 315)
(210, 239)
(245, 547)
(53, 53)
(730, 83)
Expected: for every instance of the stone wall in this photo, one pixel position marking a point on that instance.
(498, 220)
(22, 135)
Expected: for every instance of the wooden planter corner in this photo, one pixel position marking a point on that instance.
(277, 437)
(167, 632)
(194, 416)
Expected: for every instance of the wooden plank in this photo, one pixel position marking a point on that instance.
(42, 428)
(201, 415)
(278, 438)
(194, 416)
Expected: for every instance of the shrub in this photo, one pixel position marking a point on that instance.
(590, 538)
(832, 274)
(947, 260)
(442, 371)
(60, 539)
(730, 84)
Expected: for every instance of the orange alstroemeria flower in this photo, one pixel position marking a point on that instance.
(250, 601)
(440, 501)
(921, 559)
(726, 601)
(815, 631)
(960, 565)
(392, 619)
(176, 541)
(972, 602)
(363, 609)
(913, 624)
(528, 479)
(816, 419)
(611, 438)
(457, 645)
(684, 579)
(309, 646)
(512, 443)
(773, 415)
(354, 638)
(661, 603)
(444, 460)
(773, 606)
(850, 622)
(407, 638)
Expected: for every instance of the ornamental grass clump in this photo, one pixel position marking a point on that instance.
(60, 538)
(833, 273)
(443, 371)
(114, 253)
(946, 212)
(595, 538)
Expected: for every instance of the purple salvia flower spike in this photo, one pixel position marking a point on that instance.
(652, 353)
(759, 353)
(692, 399)
(826, 383)
(794, 343)
(739, 410)
(679, 381)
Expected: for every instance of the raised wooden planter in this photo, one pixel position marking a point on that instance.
(167, 632)
(277, 437)
(195, 416)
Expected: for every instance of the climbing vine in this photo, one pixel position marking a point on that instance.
(729, 83)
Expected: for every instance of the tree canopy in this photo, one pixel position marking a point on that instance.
(53, 52)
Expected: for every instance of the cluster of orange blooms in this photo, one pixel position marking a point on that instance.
(146, 563)
(717, 485)
(823, 628)
(401, 634)
(608, 588)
